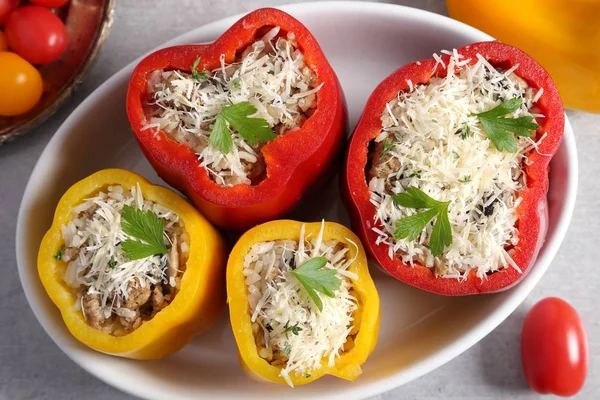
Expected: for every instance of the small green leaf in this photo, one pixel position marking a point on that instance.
(236, 83)
(112, 263)
(502, 109)
(387, 146)
(315, 278)
(253, 130)
(287, 350)
(416, 174)
(499, 129)
(464, 132)
(145, 226)
(58, 255)
(414, 197)
(465, 179)
(411, 227)
(499, 138)
(441, 235)
(220, 138)
(295, 329)
(198, 76)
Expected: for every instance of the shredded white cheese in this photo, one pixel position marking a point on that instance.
(271, 75)
(428, 152)
(92, 241)
(277, 300)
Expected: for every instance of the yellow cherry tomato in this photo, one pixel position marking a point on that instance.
(20, 84)
(3, 44)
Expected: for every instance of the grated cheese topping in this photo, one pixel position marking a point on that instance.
(278, 302)
(98, 266)
(424, 125)
(271, 74)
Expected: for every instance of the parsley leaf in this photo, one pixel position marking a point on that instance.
(414, 197)
(236, 83)
(145, 226)
(295, 329)
(58, 255)
(464, 132)
(387, 146)
(465, 179)
(220, 137)
(197, 75)
(410, 227)
(498, 128)
(315, 278)
(112, 263)
(288, 349)
(416, 174)
(441, 235)
(253, 130)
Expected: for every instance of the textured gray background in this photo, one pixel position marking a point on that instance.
(33, 367)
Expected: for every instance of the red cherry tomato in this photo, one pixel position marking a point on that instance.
(50, 3)
(554, 348)
(6, 6)
(36, 34)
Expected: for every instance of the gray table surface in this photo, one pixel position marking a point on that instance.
(33, 367)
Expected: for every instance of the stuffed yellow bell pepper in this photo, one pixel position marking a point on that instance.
(302, 303)
(563, 36)
(133, 268)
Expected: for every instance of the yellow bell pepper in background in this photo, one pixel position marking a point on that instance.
(562, 35)
(348, 365)
(195, 307)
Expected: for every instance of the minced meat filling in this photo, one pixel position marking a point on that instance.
(114, 293)
(270, 73)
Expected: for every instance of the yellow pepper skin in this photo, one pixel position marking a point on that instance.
(348, 366)
(196, 305)
(563, 36)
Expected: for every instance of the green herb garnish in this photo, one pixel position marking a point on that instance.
(236, 83)
(464, 132)
(145, 226)
(387, 146)
(197, 75)
(112, 263)
(58, 255)
(315, 278)
(308, 374)
(416, 174)
(465, 179)
(288, 349)
(254, 130)
(295, 329)
(499, 129)
(411, 227)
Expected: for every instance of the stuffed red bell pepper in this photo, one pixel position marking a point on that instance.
(243, 125)
(447, 172)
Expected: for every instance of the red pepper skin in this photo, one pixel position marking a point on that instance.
(356, 192)
(294, 161)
